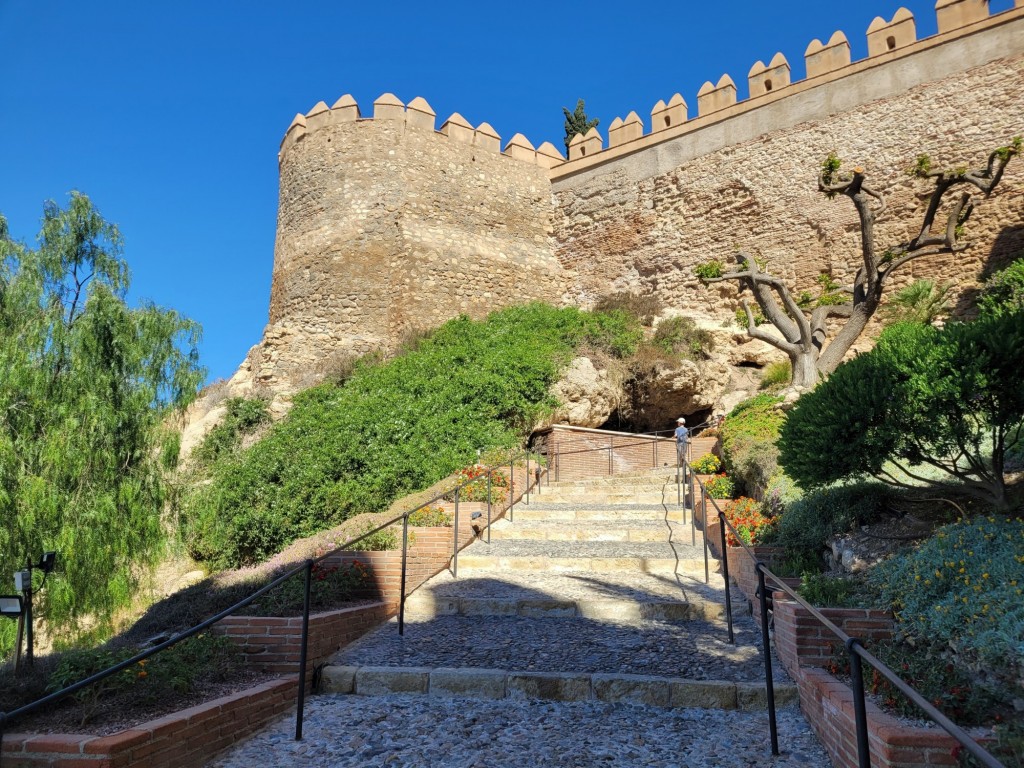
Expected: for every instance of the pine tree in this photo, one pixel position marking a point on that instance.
(577, 122)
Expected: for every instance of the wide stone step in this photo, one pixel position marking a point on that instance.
(669, 496)
(593, 530)
(566, 512)
(425, 605)
(693, 649)
(485, 683)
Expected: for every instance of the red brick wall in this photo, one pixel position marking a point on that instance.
(801, 640)
(828, 706)
(575, 453)
(183, 740)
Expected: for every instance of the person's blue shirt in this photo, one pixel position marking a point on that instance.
(682, 434)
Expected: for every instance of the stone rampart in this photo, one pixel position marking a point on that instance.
(386, 226)
(389, 225)
(643, 213)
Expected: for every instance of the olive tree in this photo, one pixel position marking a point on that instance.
(801, 322)
(932, 407)
(86, 385)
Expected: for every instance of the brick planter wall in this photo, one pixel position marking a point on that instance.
(828, 705)
(802, 641)
(182, 740)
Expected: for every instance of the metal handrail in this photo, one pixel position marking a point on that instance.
(307, 569)
(854, 648)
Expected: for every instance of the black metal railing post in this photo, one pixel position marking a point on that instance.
(859, 706)
(693, 508)
(725, 575)
(769, 681)
(511, 488)
(704, 531)
(679, 477)
(401, 594)
(304, 650)
(455, 541)
(488, 506)
(527, 494)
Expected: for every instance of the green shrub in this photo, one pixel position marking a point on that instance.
(923, 301)
(390, 429)
(172, 670)
(681, 336)
(963, 588)
(1003, 291)
(720, 487)
(430, 517)
(776, 375)
(749, 433)
(808, 523)
(707, 464)
(383, 540)
(709, 270)
(331, 586)
(826, 591)
(741, 316)
(644, 308)
(242, 418)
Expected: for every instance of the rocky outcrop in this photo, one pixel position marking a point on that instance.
(588, 394)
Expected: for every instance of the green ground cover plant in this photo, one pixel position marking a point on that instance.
(776, 375)
(392, 428)
(331, 585)
(748, 434)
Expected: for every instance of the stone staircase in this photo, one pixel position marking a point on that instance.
(588, 607)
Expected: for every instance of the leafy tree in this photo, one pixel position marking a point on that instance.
(1004, 291)
(927, 406)
(577, 122)
(802, 325)
(923, 301)
(87, 383)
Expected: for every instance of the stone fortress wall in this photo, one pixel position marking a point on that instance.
(387, 225)
(643, 212)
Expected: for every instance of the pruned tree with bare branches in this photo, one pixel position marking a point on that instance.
(801, 321)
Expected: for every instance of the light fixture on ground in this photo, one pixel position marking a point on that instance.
(23, 583)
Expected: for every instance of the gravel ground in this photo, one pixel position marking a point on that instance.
(693, 649)
(566, 585)
(420, 732)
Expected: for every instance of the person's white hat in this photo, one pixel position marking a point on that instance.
(680, 420)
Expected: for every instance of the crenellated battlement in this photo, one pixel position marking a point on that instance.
(823, 63)
(418, 115)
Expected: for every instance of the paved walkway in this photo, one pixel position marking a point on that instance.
(576, 638)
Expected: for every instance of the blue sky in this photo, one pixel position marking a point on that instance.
(169, 115)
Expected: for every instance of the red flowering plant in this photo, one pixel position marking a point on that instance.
(475, 489)
(750, 522)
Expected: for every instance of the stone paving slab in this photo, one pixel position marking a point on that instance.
(409, 731)
(481, 683)
(586, 549)
(695, 649)
(639, 530)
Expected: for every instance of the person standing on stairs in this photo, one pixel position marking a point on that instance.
(682, 440)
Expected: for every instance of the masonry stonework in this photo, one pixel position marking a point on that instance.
(387, 225)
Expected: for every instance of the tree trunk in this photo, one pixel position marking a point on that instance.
(805, 368)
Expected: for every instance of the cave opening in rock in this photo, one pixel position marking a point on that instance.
(642, 421)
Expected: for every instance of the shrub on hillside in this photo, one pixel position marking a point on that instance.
(964, 588)
(807, 524)
(390, 429)
(749, 433)
(681, 336)
(1003, 292)
(643, 307)
(243, 417)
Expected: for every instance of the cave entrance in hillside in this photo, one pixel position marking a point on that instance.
(642, 420)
